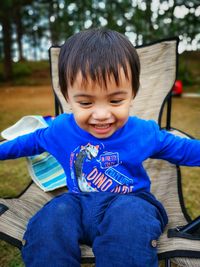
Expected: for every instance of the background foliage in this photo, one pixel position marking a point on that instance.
(28, 27)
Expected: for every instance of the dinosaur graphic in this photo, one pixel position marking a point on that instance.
(88, 151)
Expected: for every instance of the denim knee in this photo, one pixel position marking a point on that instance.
(53, 234)
(128, 234)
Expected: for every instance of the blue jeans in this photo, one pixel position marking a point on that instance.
(120, 229)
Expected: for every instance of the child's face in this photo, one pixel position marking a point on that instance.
(99, 110)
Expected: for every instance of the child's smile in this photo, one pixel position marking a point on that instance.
(98, 109)
(102, 129)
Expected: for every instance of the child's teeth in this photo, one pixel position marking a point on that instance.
(102, 126)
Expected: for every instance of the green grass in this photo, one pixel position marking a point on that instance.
(10, 256)
(189, 70)
(13, 171)
(28, 73)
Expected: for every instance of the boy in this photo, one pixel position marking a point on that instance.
(109, 205)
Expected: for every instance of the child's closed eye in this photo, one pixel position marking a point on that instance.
(116, 101)
(85, 103)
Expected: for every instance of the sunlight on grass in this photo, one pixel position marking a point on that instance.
(14, 177)
(10, 256)
(191, 189)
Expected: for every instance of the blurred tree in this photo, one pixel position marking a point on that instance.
(31, 22)
(17, 17)
(115, 14)
(54, 18)
(18, 20)
(61, 20)
(5, 19)
(10, 14)
(34, 27)
(178, 18)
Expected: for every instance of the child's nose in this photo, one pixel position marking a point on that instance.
(101, 113)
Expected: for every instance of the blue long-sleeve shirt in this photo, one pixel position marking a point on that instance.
(112, 164)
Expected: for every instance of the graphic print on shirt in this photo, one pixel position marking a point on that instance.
(95, 169)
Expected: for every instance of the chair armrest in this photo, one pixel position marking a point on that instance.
(180, 133)
(188, 231)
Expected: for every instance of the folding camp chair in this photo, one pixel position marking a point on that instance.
(158, 73)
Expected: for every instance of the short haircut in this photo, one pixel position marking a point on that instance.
(97, 53)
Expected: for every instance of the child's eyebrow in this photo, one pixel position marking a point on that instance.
(81, 95)
(109, 95)
(118, 93)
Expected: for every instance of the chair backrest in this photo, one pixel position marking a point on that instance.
(158, 73)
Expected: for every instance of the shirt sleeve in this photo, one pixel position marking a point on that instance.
(175, 149)
(25, 145)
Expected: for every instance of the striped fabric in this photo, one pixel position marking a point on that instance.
(46, 172)
(44, 169)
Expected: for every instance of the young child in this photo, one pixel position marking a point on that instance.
(101, 148)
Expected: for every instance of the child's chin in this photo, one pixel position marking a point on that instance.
(101, 135)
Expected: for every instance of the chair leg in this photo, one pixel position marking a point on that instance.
(167, 263)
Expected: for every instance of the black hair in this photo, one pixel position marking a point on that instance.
(97, 53)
